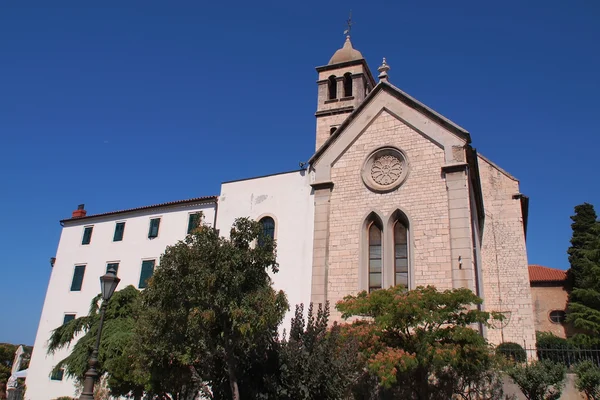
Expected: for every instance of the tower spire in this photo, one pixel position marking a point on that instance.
(349, 23)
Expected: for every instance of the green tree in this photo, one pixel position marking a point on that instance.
(539, 380)
(210, 316)
(584, 220)
(584, 256)
(420, 344)
(317, 363)
(588, 379)
(114, 356)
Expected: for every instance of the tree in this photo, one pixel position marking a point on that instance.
(584, 220)
(420, 344)
(539, 380)
(115, 353)
(317, 363)
(584, 256)
(210, 316)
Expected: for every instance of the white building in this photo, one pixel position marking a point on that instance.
(394, 194)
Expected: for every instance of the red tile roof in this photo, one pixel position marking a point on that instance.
(539, 273)
(205, 199)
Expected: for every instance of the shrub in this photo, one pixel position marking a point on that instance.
(588, 379)
(512, 351)
(64, 398)
(540, 380)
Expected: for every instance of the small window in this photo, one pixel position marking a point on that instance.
(332, 87)
(68, 318)
(87, 235)
(347, 84)
(268, 226)
(57, 375)
(114, 266)
(78, 278)
(153, 231)
(147, 272)
(558, 316)
(332, 130)
(119, 231)
(400, 254)
(193, 222)
(374, 257)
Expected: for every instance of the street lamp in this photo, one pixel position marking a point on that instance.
(108, 284)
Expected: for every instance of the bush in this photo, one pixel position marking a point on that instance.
(512, 351)
(540, 380)
(588, 379)
(567, 351)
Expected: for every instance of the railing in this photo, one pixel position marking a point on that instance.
(566, 356)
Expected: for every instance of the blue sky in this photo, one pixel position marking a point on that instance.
(118, 104)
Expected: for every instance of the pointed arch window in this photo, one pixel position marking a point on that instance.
(268, 226)
(400, 254)
(332, 87)
(347, 84)
(375, 257)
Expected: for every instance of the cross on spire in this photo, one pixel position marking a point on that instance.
(349, 23)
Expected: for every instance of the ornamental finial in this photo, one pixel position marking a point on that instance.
(383, 75)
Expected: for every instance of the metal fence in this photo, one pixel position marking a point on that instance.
(566, 356)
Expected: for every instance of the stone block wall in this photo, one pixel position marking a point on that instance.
(504, 257)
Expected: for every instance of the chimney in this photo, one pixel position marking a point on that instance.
(80, 212)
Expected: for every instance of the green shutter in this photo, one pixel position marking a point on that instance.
(147, 271)
(78, 278)
(154, 224)
(57, 375)
(194, 222)
(87, 235)
(119, 230)
(68, 318)
(114, 266)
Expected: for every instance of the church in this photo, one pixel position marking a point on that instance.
(394, 193)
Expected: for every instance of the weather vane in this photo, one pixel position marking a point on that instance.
(350, 23)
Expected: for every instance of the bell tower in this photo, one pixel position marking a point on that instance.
(343, 84)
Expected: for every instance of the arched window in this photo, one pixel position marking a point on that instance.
(375, 261)
(400, 254)
(332, 86)
(268, 226)
(558, 316)
(332, 130)
(347, 84)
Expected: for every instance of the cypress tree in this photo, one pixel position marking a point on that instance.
(583, 222)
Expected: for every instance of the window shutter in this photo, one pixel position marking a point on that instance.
(154, 224)
(68, 318)
(147, 272)
(193, 223)
(119, 230)
(87, 235)
(78, 278)
(57, 375)
(114, 266)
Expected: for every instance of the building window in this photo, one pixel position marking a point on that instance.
(194, 222)
(114, 266)
(57, 375)
(400, 254)
(332, 87)
(268, 227)
(147, 272)
(77, 278)
(558, 316)
(375, 262)
(68, 318)
(332, 130)
(87, 235)
(119, 231)
(153, 231)
(347, 84)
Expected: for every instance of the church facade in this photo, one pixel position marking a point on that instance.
(394, 194)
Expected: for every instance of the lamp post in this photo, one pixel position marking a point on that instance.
(108, 284)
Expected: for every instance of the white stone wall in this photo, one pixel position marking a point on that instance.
(422, 197)
(288, 200)
(504, 257)
(129, 253)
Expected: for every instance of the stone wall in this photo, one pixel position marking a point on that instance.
(504, 257)
(545, 299)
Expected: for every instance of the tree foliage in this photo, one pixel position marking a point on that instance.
(584, 257)
(114, 354)
(539, 380)
(420, 344)
(210, 316)
(588, 379)
(317, 363)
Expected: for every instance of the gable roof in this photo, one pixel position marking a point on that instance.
(406, 99)
(205, 199)
(540, 274)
